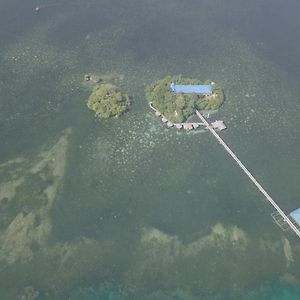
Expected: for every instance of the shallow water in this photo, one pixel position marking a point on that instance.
(137, 211)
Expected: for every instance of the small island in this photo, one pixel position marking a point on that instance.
(168, 96)
(107, 101)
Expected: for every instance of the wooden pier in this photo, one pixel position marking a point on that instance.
(285, 218)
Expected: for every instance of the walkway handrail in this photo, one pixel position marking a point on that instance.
(260, 188)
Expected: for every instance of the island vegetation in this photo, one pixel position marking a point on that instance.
(107, 101)
(179, 107)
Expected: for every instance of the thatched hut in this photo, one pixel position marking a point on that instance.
(170, 124)
(178, 125)
(188, 126)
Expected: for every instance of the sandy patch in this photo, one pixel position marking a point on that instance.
(287, 250)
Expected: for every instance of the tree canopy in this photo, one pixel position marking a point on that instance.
(107, 101)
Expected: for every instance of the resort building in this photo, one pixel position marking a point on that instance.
(295, 214)
(200, 89)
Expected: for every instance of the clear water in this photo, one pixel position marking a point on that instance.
(143, 212)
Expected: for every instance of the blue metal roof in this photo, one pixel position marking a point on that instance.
(295, 214)
(188, 89)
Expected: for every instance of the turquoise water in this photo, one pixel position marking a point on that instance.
(125, 208)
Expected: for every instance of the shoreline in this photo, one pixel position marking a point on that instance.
(188, 126)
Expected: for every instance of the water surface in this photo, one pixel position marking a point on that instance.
(124, 208)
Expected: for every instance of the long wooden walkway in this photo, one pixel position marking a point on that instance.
(241, 165)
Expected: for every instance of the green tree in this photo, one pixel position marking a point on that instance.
(107, 101)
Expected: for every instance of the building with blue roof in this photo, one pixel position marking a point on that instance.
(295, 214)
(201, 89)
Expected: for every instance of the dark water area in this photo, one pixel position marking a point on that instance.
(124, 208)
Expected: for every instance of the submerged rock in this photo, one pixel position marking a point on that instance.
(287, 249)
(94, 79)
(26, 203)
(166, 259)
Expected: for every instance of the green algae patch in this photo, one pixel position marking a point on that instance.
(107, 101)
(179, 107)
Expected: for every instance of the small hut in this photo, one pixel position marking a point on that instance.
(218, 125)
(170, 124)
(188, 126)
(164, 120)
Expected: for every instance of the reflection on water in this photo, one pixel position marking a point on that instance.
(125, 208)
